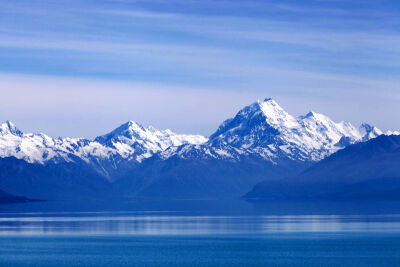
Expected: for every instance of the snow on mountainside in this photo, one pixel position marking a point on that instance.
(263, 130)
(266, 130)
(370, 132)
(131, 141)
(40, 148)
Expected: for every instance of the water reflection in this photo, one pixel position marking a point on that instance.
(153, 223)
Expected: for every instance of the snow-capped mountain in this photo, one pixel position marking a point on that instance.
(134, 141)
(130, 141)
(39, 148)
(261, 142)
(264, 129)
(369, 132)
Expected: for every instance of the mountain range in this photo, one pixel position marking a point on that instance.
(130, 141)
(261, 142)
(366, 170)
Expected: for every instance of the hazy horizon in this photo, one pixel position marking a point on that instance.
(26, 130)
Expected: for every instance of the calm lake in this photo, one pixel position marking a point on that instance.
(200, 233)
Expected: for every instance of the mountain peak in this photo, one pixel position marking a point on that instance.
(268, 111)
(366, 127)
(368, 131)
(128, 127)
(266, 126)
(256, 125)
(127, 130)
(269, 102)
(276, 115)
(131, 124)
(311, 114)
(269, 99)
(9, 128)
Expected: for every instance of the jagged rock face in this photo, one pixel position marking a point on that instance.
(266, 130)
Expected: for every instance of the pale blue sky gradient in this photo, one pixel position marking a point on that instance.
(81, 68)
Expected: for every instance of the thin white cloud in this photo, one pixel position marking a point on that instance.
(300, 62)
(141, 14)
(82, 107)
(51, 104)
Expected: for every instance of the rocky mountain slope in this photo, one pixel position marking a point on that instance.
(367, 170)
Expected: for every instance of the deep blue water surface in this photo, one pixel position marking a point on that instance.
(200, 233)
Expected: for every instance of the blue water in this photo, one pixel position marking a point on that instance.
(200, 233)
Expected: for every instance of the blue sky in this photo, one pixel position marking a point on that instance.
(81, 68)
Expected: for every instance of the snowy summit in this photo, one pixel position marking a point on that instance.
(264, 129)
(129, 141)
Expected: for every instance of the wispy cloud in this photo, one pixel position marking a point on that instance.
(312, 10)
(141, 14)
(90, 107)
(301, 52)
(97, 106)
